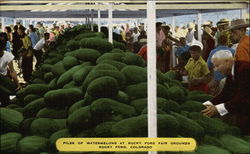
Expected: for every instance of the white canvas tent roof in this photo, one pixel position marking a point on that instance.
(121, 9)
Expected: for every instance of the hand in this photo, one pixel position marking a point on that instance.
(18, 87)
(210, 111)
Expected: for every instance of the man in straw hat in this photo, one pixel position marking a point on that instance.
(234, 97)
(207, 24)
(190, 34)
(238, 32)
(208, 42)
(222, 26)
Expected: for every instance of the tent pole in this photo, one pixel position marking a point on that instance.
(243, 13)
(151, 71)
(199, 26)
(99, 19)
(173, 25)
(92, 20)
(110, 22)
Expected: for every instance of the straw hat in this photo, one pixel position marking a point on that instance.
(208, 31)
(223, 21)
(206, 23)
(197, 43)
(165, 26)
(238, 23)
(190, 26)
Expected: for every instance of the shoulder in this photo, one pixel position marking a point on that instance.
(242, 65)
(190, 60)
(245, 40)
(202, 61)
(8, 55)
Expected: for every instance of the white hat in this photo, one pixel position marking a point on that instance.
(197, 43)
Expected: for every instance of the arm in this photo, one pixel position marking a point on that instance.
(173, 39)
(205, 76)
(13, 74)
(240, 103)
(242, 53)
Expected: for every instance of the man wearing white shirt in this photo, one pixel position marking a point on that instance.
(6, 71)
(235, 96)
(190, 34)
(40, 45)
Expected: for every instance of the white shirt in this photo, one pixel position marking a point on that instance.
(4, 61)
(135, 37)
(189, 37)
(220, 107)
(40, 44)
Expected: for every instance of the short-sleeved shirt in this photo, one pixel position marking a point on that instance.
(189, 37)
(34, 38)
(27, 44)
(135, 37)
(217, 75)
(196, 69)
(8, 46)
(4, 61)
(40, 44)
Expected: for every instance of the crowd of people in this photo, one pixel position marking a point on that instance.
(194, 58)
(219, 64)
(24, 43)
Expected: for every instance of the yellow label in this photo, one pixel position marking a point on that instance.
(126, 144)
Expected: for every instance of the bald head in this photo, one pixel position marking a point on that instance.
(222, 54)
(223, 61)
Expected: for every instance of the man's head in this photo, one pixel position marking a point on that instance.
(8, 29)
(182, 41)
(39, 25)
(4, 36)
(223, 61)
(135, 30)
(208, 24)
(190, 27)
(238, 29)
(158, 26)
(223, 24)
(31, 28)
(238, 33)
(166, 28)
(195, 52)
(21, 30)
(195, 49)
(15, 28)
(46, 36)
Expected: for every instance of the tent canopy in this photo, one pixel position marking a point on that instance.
(122, 9)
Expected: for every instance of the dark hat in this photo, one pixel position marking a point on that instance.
(223, 21)
(238, 23)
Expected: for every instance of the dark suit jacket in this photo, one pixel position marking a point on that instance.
(236, 95)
